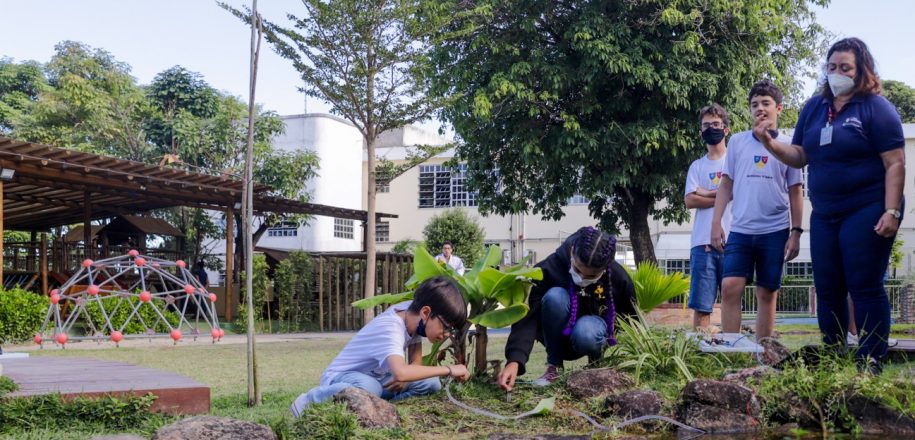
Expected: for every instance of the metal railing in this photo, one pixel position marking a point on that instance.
(800, 300)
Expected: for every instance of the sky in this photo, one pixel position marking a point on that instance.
(153, 35)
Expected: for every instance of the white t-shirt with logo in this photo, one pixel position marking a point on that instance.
(369, 350)
(706, 173)
(761, 182)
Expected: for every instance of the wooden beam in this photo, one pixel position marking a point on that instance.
(87, 224)
(1, 232)
(230, 263)
(321, 293)
(43, 262)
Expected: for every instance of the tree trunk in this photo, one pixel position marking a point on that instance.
(459, 345)
(639, 232)
(370, 270)
(480, 345)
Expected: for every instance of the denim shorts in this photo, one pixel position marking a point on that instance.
(763, 254)
(705, 271)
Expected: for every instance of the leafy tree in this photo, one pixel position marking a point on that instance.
(454, 225)
(600, 98)
(903, 97)
(20, 85)
(174, 91)
(363, 58)
(94, 105)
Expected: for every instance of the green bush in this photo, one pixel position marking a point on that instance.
(260, 283)
(464, 233)
(7, 385)
(406, 246)
(119, 316)
(294, 290)
(21, 314)
(326, 421)
(51, 411)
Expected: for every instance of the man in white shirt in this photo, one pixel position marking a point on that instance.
(706, 263)
(766, 207)
(450, 259)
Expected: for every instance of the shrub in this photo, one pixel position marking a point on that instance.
(118, 314)
(21, 314)
(326, 421)
(653, 287)
(294, 282)
(51, 411)
(7, 385)
(464, 232)
(259, 284)
(406, 246)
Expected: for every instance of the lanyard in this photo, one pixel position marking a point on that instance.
(830, 115)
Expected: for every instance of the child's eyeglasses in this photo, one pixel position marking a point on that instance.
(447, 328)
(715, 124)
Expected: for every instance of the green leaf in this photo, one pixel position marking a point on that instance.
(380, 300)
(501, 317)
(424, 267)
(544, 406)
(653, 287)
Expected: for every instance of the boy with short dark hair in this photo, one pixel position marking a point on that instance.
(764, 233)
(374, 359)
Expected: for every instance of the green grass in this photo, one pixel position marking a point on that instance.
(290, 368)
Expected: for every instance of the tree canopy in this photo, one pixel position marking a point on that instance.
(903, 97)
(601, 98)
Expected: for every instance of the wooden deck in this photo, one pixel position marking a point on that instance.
(72, 377)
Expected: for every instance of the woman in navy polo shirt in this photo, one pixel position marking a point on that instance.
(852, 140)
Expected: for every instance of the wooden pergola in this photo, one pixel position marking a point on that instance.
(42, 187)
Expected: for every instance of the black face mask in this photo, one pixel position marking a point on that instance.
(712, 135)
(421, 328)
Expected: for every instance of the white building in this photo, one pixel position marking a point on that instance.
(430, 188)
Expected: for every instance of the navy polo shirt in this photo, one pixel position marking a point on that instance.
(848, 173)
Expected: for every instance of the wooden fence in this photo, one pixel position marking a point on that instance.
(340, 280)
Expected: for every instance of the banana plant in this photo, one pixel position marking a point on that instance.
(496, 298)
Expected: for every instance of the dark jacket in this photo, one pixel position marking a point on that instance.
(556, 274)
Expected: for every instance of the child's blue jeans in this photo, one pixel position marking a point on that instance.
(588, 338)
(359, 380)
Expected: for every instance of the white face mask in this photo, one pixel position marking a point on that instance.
(840, 84)
(579, 281)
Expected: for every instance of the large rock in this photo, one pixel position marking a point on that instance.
(636, 403)
(597, 382)
(719, 407)
(371, 410)
(715, 420)
(726, 395)
(214, 428)
(877, 419)
(775, 351)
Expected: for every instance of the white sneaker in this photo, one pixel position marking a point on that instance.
(890, 342)
(730, 343)
(851, 339)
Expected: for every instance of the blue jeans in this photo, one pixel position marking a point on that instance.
(849, 258)
(763, 254)
(705, 271)
(360, 380)
(588, 338)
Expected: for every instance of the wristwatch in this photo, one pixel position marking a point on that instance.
(895, 212)
(798, 229)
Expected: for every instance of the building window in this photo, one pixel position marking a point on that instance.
(382, 187)
(383, 232)
(444, 187)
(578, 199)
(284, 230)
(671, 266)
(343, 228)
(799, 269)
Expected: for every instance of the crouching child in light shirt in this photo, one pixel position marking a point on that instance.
(374, 359)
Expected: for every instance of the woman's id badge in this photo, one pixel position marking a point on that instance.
(826, 135)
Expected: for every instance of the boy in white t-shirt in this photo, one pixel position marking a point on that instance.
(374, 359)
(702, 179)
(766, 207)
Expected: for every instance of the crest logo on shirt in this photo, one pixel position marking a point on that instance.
(760, 161)
(715, 177)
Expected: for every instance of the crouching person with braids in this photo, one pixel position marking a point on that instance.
(572, 310)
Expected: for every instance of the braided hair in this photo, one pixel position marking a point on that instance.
(594, 249)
